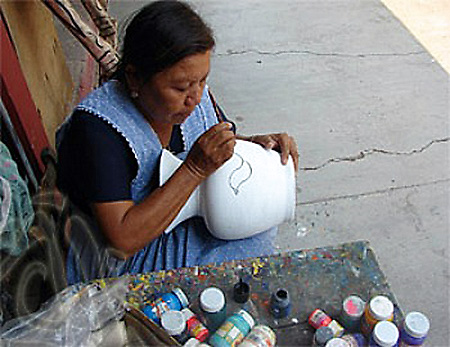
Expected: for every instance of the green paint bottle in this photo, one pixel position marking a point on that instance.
(233, 330)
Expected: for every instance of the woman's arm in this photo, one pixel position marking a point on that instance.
(129, 227)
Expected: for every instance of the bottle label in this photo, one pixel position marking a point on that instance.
(197, 329)
(319, 319)
(258, 340)
(356, 340)
(366, 328)
(260, 337)
(409, 340)
(230, 333)
(338, 330)
(370, 320)
(159, 306)
(404, 344)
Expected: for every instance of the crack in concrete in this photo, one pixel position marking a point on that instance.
(309, 52)
(372, 193)
(361, 155)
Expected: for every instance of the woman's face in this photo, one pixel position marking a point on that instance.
(172, 94)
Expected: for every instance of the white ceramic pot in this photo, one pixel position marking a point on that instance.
(251, 193)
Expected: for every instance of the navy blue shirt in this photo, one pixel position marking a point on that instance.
(96, 164)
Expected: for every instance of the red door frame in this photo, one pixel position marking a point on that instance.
(18, 101)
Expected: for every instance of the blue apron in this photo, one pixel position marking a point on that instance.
(189, 243)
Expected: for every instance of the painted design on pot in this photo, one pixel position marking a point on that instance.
(251, 193)
(239, 175)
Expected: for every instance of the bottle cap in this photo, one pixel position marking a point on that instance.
(280, 298)
(241, 292)
(173, 322)
(192, 342)
(187, 313)
(181, 296)
(385, 334)
(416, 324)
(353, 306)
(248, 318)
(337, 342)
(381, 307)
(212, 300)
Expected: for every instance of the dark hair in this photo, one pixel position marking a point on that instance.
(160, 35)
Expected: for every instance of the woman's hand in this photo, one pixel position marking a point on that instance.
(211, 150)
(281, 142)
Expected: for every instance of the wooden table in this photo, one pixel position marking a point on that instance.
(314, 278)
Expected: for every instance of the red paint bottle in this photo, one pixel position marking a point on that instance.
(318, 319)
(195, 327)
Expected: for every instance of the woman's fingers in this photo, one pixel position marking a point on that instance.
(293, 149)
(281, 142)
(288, 147)
(221, 142)
(284, 146)
(216, 129)
(211, 150)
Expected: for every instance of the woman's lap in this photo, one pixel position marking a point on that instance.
(189, 244)
(211, 249)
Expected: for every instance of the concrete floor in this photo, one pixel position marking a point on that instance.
(369, 109)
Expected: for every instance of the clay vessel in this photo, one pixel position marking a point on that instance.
(251, 193)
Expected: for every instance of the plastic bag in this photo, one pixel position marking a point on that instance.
(16, 209)
(74, 317)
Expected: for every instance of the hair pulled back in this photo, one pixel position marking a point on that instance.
(160, 35)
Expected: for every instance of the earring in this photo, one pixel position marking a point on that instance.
(134, 94)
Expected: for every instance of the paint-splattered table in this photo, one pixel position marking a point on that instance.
(314, 278)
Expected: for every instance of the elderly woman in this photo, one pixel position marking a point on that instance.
(109, 150)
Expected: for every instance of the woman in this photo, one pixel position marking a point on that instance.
(109, 149)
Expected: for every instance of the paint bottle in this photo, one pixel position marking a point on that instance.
(193, 342)
(414, 329)
(384, 334)
(318, 319)
(337, 342)
(355, 340)
(352, 311)
(260, 336)
(241, 292)
(280, 303)
(195, 327)
(163, 302)
(322, 336)
(213, 306)
(378, 309)
(233, 330)
(338, 330)
(175, 325)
